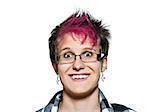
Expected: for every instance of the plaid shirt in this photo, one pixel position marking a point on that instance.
(105, 106)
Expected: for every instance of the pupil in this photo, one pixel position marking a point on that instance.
(67, 55)
(88, 54)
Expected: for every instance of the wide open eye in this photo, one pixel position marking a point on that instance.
(88, 54)
(68, 55)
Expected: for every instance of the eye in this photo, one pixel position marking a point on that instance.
(88, 54)
(68, 55)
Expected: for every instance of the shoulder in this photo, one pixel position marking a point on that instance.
(121, 108)
(39, 110)
(53, 104)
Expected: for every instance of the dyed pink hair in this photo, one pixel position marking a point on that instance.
(79, 25)
(82, 25)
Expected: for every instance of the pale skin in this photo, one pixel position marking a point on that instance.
(79, 96)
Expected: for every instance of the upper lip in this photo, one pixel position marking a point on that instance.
(79, 74)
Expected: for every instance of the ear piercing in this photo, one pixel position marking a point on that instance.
(102, 77)
(58, 79)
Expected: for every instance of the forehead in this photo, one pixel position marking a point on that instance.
(75, 42)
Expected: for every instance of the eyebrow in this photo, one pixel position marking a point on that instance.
(67, 48)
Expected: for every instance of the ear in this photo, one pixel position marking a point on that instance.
(55, 66)
(104, 64)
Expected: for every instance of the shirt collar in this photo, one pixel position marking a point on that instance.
(53, 105)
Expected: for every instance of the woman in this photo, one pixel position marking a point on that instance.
(78, 52)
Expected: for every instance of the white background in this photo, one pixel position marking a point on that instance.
(27, 80)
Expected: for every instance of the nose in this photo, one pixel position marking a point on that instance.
(78, 64)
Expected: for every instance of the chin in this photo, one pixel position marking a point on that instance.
(79, 93)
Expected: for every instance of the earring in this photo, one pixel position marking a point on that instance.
(58, 79)
(102, 77)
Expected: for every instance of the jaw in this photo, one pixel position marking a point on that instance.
(80, 94)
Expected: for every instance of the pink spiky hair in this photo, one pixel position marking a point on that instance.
(79, 24)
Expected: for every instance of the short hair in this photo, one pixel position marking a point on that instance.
(80, 23)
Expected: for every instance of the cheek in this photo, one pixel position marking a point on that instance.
(62, 69)
(96, 67)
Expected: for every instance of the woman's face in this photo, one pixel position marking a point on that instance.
(78, 78)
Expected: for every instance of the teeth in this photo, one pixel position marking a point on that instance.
(79, 76)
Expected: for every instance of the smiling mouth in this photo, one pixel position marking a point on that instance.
(79, 77)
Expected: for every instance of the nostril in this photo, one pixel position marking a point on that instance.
(77, 68)
(71, 75)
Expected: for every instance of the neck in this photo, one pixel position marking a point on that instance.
(87, 104)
